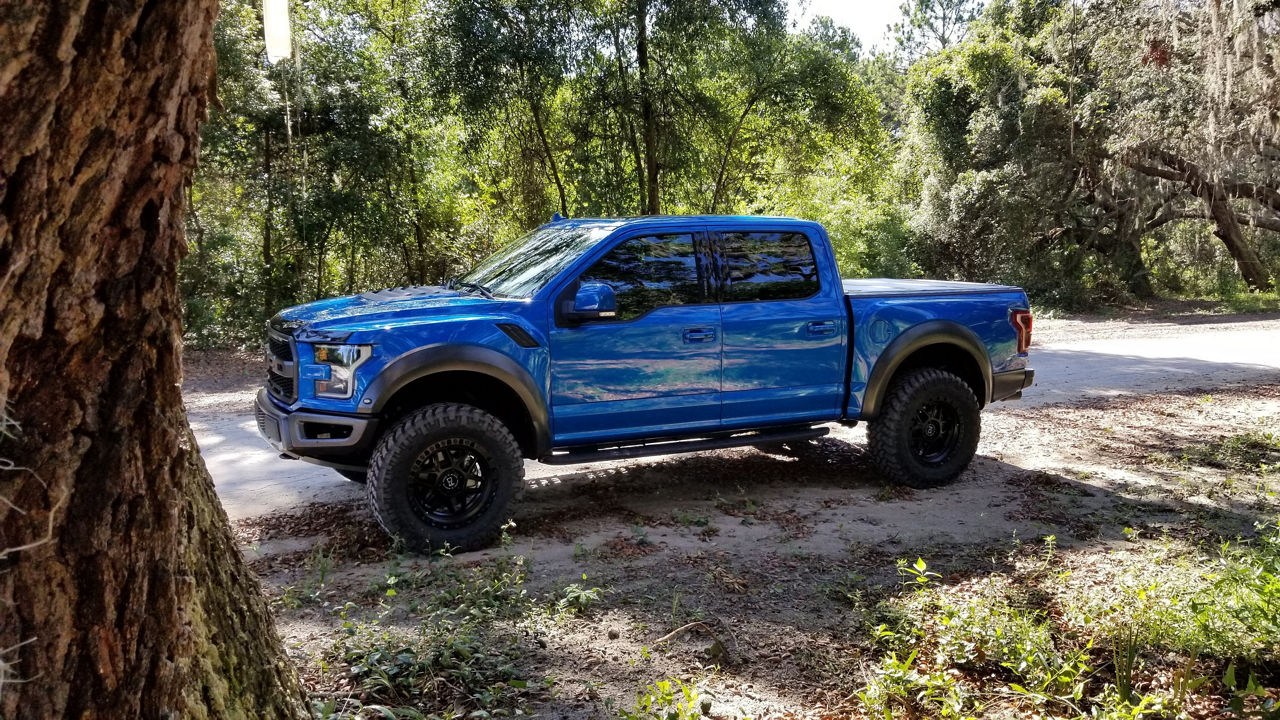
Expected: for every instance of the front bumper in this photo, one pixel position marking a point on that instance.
(1009, 385)
(334, 440)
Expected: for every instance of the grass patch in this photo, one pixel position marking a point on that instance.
(1223, 605)
(1084, 637)
(987, 628)
(1251, 302)
(668, 699)
(1256, 452)
(474, 625)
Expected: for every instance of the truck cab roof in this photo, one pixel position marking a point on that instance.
(691, 220)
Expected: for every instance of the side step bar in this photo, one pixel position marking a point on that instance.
(574, 456)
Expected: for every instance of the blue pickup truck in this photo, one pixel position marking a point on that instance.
(603, 339)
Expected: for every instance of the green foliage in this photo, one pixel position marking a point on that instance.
(665, 700)
(899, 687)
(461, 661)
(1226, 607)
(1255, 452)
(930, 25)
(1032, 645)
(1037, 142)
(578, 599)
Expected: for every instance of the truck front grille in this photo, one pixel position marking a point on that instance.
(281, 386)
(279, 347)
(282, 367)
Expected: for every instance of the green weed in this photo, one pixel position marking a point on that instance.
(1226, 606)
(578, 599)
(1256, 452)
(668, 699)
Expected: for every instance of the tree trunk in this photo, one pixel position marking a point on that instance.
(268, 219)
(1217, 195)
(728, 149)
(1126, 255)
(1227, 228)
(122, 591)
(351, 267)
(535, 106)
(322, 253)
(625, 120)
(418, 272)
(647, 115)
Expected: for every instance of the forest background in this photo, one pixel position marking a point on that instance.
(1096, 152)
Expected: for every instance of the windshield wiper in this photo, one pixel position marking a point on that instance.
(488, 294)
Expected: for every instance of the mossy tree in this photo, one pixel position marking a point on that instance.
(122, 592)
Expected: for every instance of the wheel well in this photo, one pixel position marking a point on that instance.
(471, 388)
(953, 359)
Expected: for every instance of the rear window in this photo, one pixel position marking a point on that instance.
(768, 266)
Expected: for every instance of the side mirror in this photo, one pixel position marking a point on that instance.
(593, 301)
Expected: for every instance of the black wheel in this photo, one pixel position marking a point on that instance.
(446, 475)
(928, 429)
(360, 476)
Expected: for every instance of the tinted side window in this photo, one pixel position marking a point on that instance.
(650, 272)
(768, 266)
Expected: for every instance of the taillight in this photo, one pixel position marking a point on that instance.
(1021, 320)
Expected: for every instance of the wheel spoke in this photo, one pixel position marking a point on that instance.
(450, 483)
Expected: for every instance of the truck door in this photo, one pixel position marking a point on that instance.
(652, 370)
(784, 332)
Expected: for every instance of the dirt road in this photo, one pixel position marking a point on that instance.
(1074, 360)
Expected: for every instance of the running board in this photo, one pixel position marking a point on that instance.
(575, 456)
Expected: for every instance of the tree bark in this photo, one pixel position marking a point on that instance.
(1227, 229)
(1126, 255)
(122, 591)
(648, 116)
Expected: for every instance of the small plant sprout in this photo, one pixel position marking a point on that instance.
(1050, 547)
(918, 574)
(669, 699)
(577, 599)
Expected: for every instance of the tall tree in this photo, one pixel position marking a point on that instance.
(122, 592)
(930, 25)
(505, 51)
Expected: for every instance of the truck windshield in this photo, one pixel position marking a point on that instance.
(521, 268)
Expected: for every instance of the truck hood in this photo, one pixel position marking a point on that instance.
(368, 311)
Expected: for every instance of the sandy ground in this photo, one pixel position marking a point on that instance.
(767, 548)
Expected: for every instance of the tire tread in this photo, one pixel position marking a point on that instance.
(885, 432)
(427, 419)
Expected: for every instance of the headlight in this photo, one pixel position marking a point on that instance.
(335, 366)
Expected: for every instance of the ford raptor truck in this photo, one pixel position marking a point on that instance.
(603, 339)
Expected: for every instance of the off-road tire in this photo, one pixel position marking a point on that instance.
(356, 476)
(390, 482)
(890, 438)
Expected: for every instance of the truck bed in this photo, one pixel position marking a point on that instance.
(889, 287)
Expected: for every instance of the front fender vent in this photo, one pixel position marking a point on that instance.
(519, 335)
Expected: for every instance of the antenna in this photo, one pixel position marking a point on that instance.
(556, 217)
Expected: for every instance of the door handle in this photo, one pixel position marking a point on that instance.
(820, 328)
(699, 335)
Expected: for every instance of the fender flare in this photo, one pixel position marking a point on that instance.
(932, 332)
(425, 361)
